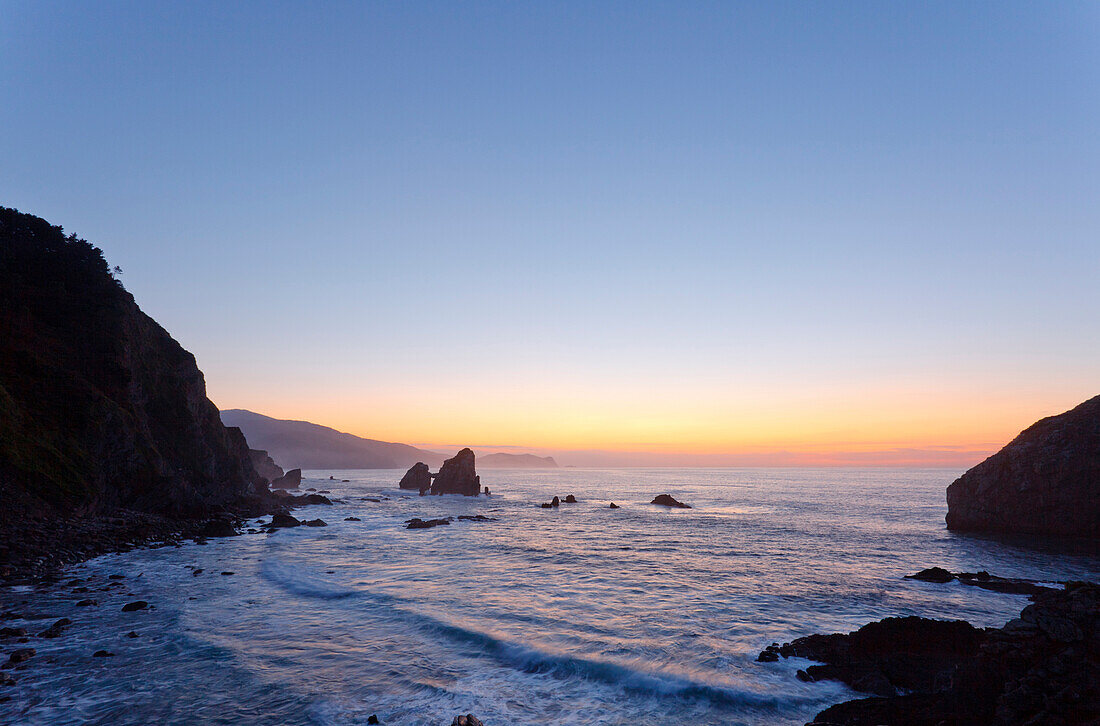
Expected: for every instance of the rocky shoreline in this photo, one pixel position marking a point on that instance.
(1042, 668)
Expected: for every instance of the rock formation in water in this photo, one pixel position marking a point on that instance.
(99, 406)
(457, 476)
(1042, 668)
(265, 466)
(517, 461)
(290, 480)
(1046, 481)
(666, 500)
(418, 478)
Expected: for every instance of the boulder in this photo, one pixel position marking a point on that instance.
(291, 480)
(316, 523)
(136, 605)
(18, 656)
(218, 528)
(570, 499)
(467, 720)
(457, 476)
(1046, 481)
(283, 520)
(932, 574)
(614, 506)
(666, 500)
(418, 523)
(417, 478)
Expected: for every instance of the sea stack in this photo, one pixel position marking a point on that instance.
(417, 478)
(291, 480)
(1046, 481)
(457, 476)
(265, 465)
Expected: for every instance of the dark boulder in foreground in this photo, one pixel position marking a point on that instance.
(467, 720)
(666, 500)
(284, 520)
(218, 528)
(1046, 481)
(457, 476)
(417, 478)
(290, 480)
(1042, 668)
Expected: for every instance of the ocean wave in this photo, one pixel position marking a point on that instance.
(300, 582)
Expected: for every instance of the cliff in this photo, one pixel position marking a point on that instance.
(1046, 481)
(311, 446)
(99, 406)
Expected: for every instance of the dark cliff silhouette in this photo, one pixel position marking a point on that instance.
(1046, 481)
(99, 406)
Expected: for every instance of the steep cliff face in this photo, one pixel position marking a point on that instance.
(1046, 481)
(99, 406)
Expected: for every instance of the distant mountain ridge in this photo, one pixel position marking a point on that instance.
(305, 445)
(516, 461)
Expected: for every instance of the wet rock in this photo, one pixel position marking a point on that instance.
(476, 518)
(570, 499)
(229, 572)
(116, 577)
(768, 655)
(1042, 668)
(417, 478)
(372, 719)
(135, 606)
(546, 505)
(219, 528)
(555, 502)
(283, 520)
(417, 523)
(613, 505)
(13, 632)
(131, 634)
(87, 603)
(20, 655)
(291, 480)
(197, 571)
(666, 500)
(56, 630)
(313, 499)
(103, 654)
(932, 574)
(316, 523)
(458, 476)
(352, 519)
(467, 720)
(6, 680)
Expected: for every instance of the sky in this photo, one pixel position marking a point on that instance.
(622, 233)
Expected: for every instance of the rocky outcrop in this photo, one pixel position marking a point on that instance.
(265, 466)
(1042, 668)
(1046, 481)
(457, 476)
(666, 500)
(418, 478)
(291, 480)
(984, 580)
(99, 406)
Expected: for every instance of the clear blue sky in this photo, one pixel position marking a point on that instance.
(634, 225)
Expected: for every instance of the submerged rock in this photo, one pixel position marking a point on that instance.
(1046, 481)
(417, 478)
(932, 574)
(458, 476)
(136, 605)
(418, 523)
(20, 655)
(103, 654)
(666, 500)
(316, 523)
(984, 580)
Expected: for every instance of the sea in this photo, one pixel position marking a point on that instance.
(581, 614)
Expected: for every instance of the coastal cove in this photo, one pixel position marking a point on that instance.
(576, 614)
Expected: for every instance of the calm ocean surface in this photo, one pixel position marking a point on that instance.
(580, 615)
